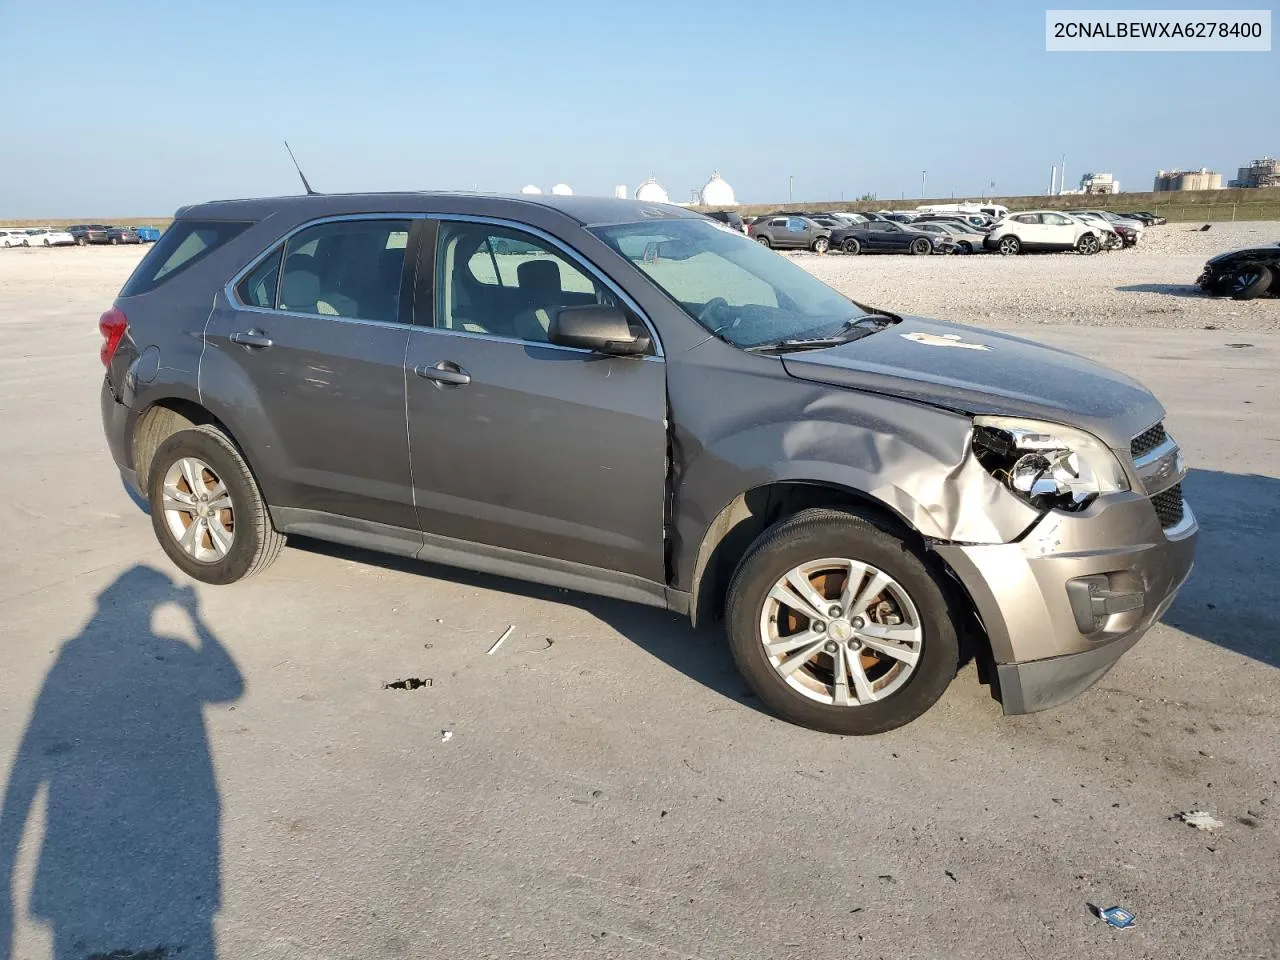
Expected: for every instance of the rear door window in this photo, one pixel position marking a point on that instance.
(345, 268)
(184, 244)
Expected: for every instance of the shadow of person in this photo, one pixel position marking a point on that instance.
(129, 866)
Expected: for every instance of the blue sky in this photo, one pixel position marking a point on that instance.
(127, 107)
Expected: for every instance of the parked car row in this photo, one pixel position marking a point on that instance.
(942, 230)
(79, 235)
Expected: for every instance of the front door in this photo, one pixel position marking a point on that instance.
(316, 335)
(519, 443)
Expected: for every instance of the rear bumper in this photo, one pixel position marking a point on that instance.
(115, 425)
(1064, 603)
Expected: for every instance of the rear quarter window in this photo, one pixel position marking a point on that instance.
(184, 244)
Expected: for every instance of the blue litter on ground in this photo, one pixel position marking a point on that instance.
(1118, 917)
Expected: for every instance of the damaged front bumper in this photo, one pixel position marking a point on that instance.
(1061, 605)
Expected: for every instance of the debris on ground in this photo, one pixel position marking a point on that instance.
(1199, 819)
(1239, 346)
(1118, 917)
(549, 643)
(446, 736)
(951, 875)
(502, 639)
(408, 683)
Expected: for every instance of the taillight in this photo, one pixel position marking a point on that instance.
(112, 325)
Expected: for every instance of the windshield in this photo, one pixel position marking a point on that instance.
(736, 288)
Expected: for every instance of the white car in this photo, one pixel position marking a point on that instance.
(13, 238)
(49, 238)
(1111, 239)
(1044, 230)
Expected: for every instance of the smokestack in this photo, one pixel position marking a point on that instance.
(1053, 179)
(1062, 175)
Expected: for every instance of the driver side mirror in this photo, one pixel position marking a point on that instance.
(597, 328)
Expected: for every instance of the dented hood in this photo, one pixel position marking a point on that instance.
(984, 372)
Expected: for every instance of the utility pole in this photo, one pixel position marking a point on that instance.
(791, 183)
(924, 176)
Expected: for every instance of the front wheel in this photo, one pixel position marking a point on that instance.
(763, 241)
(26, 243)
(46, 243)
(839, 626)
(966, 246)
(1009, 246)
(821, 245)
(80, 241)
(920, 247)
(207, 510)
(1088, 245)
(851, 247)
(1249, 283)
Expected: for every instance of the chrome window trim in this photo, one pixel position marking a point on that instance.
(229, 291)
(586, 265)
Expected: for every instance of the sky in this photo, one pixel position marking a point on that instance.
(134, 108)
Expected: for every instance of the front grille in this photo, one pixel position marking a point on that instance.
(1147, 440)
(1168, 506)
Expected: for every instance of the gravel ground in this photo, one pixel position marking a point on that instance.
(604, 786)
(1150, 285)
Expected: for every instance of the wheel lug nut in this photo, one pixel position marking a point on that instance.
(819, 626)
(858, 623)
(830, 647)
(834, 611)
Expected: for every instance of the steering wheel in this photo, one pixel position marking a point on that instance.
(709, 311)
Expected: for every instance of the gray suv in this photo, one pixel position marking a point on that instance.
(622, 398)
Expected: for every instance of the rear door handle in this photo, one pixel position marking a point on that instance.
(444, 372)
(251, 338)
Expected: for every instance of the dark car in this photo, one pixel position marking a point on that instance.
(791, 233)
(729, 218)
(118, 235)
(1147, 217)
(652, 408)
(86, 233)
(885, 236)
(1243, 274)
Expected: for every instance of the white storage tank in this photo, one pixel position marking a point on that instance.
(530, 188)
(651, 191)
(562, 190)
(717, 193)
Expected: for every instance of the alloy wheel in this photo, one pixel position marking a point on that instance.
(841, 632)
(198, 511)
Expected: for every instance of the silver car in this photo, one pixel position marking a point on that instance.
(621, 398)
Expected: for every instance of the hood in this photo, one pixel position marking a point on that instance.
(1248, 253)
(984, 372)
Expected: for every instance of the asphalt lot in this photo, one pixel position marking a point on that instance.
(609, 788)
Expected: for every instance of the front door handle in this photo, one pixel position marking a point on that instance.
(251, 338)
(444, 372)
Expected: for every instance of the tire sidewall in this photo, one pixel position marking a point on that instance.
(221, 456)
(771, 557)
(1255, 289)
(1013, 249)
(851, 247)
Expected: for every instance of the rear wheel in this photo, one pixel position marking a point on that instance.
(1088, 245)
(821, 245)
(1249, 283)
(46, 242)
(207, 510)
(920, 246)
(839, 626)
(851, 246)
(1009, 246)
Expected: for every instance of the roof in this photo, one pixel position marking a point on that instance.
(585, 210)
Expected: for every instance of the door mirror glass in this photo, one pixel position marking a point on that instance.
(602, 329)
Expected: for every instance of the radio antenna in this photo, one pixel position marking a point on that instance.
(307, 186)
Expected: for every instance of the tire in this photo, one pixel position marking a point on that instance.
(1088, 245)
(965, 246)
(1009, 246)
(851, 246)
(813, 538)
(1249, 283)
(115, 241)
(46, 243)
(81, 241)
(763, 241)
(821, 245)
(921, 247)
(26, 243)
(254, 541)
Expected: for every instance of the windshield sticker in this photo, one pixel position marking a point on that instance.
(945, 340)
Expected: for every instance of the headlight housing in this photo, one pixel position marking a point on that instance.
(1048, 465)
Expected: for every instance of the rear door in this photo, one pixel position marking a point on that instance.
(317, 330)
(520, 444)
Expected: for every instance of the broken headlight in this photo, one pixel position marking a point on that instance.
(1047, 464)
